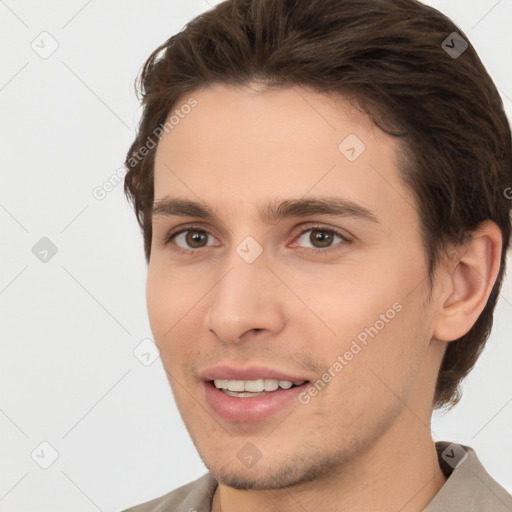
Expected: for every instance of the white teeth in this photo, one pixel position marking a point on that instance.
(235, 385)
(271, 384)
(221, 384)
(254, 386)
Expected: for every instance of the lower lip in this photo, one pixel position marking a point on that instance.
(250, 409)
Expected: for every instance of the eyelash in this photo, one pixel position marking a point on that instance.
(173, 234)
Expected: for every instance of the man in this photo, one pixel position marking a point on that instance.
(322, 191)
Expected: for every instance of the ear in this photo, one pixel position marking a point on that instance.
(468, 281)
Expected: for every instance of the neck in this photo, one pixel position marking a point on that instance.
(400, 471)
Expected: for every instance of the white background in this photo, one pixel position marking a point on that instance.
(69, 326)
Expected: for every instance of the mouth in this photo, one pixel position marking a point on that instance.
(250, 393)
(250, 401)
(254, 388)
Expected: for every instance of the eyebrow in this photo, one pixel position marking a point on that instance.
(272, 211)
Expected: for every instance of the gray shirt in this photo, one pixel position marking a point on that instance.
(469, 488)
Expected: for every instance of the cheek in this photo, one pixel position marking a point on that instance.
(170, 294)
(344, 301)
(371, 320)
(176, 306)
(369, 382)
(167, 304)
(383, 371)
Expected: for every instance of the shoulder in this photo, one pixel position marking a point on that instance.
(195, 496)
(469, 486)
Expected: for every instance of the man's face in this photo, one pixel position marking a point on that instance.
(337, 299)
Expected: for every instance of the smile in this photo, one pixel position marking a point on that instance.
(252, 388)
(269, 397)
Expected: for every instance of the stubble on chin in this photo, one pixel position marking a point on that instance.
(280, 475)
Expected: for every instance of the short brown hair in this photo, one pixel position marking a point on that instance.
(390, 56)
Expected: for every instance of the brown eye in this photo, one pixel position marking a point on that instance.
(320, 237)
(195, 238)
(190, 238)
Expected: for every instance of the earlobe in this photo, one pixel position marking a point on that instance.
(470, 279)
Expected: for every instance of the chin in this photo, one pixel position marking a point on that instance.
(277, 475)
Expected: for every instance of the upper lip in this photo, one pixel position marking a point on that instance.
(253, 372)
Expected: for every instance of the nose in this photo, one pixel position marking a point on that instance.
(247, 298)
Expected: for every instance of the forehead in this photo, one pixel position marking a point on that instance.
(266, 123)
(240, 146)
